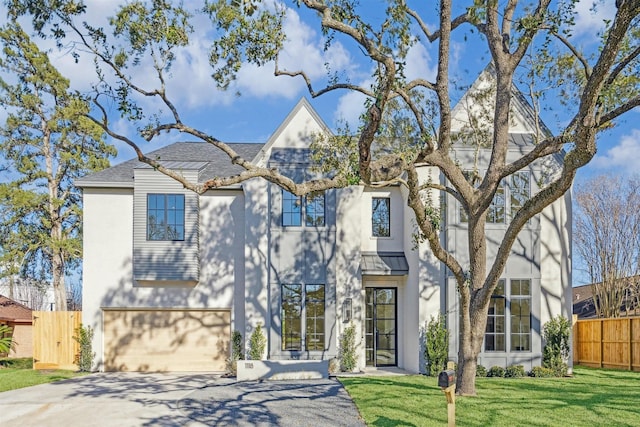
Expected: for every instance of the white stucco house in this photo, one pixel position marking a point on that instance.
(168, 275)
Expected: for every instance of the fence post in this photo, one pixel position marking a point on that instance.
(630, 344)
(601, 343)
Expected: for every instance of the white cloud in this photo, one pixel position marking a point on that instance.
(590, 17)
(350, 107)
(418, 64)
(622, 157)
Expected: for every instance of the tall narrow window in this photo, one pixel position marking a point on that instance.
(381, 217)
(165, 216)
(314, 317)
(520, 315)
(520, 191)
(292, 317)
(494, 339)
(473, 178)
(496, 211)
(314, 210)
(303, 309)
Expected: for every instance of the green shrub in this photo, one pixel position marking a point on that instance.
(237, 353)
(17, 363)
(481, 371)
(257, 343)
(555, 334)
(496, 372)
(347, 350)
(514, 371)
(85, 355)
(542, 372)
(436, 347)
(6, 339)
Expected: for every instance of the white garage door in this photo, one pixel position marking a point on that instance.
(166, 340)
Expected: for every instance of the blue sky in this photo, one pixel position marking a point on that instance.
(266, 100)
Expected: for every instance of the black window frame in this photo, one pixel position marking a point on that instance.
(516, 327)
(377, 226)
(163, 234)
(496, 320)
(519, 193)
(301, 307)
(311, 212)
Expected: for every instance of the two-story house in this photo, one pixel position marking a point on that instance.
(168, 275)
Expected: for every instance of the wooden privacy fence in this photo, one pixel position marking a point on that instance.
(53, 343)
(607, 343)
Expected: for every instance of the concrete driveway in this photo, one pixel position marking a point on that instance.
(134, 399)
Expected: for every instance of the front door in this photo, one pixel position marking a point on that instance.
(381, 327)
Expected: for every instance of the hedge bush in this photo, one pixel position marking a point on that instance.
(515, 371)
(496, 372)
(542, 372)
(481, 371)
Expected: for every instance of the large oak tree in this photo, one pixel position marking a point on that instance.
(528, 41)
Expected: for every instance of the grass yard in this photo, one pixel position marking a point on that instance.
(593, 397)
(18, 373)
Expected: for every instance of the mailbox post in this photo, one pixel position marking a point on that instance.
(447, 382)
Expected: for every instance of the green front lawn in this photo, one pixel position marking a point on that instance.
(18, 373)
(593, 397)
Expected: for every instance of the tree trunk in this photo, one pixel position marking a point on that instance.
(59, 288)
(471, 337)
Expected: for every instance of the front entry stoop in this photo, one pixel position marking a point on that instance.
(252, 370)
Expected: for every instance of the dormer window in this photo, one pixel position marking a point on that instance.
(165, 216)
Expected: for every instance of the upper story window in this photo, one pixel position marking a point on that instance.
(165, 216)
(311, 207)
(520, 191)
(314, 210)
(517, 192)
(496, 211)
(381, 217)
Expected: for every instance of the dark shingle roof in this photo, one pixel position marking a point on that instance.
(13, 311)
(218, 163)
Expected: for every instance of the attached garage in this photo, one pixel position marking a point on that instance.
(166, 340)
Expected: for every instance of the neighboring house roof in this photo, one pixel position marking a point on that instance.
(13, 311)
(196, 155)
(583, 305)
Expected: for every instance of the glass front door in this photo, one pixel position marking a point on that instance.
(381, 327)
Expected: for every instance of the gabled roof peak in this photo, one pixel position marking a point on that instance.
(523, 116)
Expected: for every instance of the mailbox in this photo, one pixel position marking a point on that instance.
(446, 378)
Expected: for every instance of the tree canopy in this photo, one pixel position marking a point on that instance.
(45, 143)
(529, 44)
